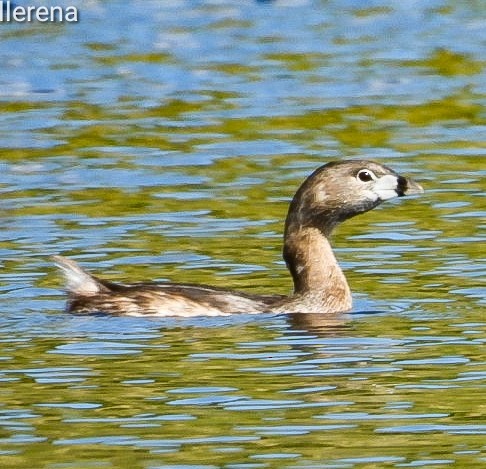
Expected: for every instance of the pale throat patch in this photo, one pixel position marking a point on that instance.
(386, 187)
(321, 195)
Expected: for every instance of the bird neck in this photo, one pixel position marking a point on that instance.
(318, 280)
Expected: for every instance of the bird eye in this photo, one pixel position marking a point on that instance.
(365, 175)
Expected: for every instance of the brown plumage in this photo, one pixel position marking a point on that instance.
(332, 194)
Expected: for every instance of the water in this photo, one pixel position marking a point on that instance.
(163, 140)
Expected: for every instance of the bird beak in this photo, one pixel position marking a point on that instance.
(391, 186)
(407, 186)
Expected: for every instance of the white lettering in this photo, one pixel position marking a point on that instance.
(20, 14)
(56, 13)
(42, 14)
(71, 14)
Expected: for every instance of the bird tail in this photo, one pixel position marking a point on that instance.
(78, 281)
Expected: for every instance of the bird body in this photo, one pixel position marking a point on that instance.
(332, 194)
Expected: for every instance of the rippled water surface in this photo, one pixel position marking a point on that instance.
(163, 140)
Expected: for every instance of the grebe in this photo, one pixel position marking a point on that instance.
(330, 195)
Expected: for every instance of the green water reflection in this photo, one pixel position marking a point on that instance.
(193, 395)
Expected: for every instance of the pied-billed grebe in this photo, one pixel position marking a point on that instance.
(330, 195)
